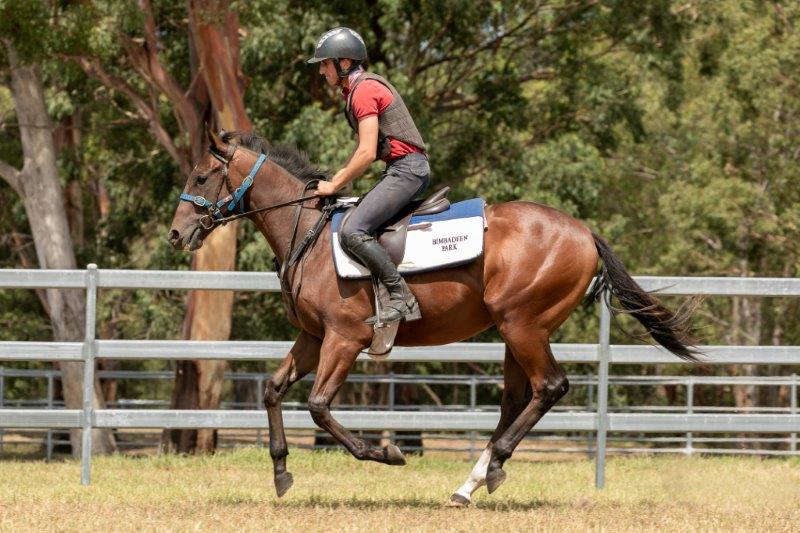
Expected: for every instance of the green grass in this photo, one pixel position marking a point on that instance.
(332, 491)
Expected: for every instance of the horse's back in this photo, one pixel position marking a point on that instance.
(540, 222)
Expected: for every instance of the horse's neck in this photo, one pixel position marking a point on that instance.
(274, 185)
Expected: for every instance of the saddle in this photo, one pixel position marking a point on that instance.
(392, 235)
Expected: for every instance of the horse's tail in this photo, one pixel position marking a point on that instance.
(669, 329)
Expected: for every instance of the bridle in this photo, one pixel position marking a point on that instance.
(234, 201)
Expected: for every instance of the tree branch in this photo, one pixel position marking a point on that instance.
(12, 176)
(146, 60)
(491, 43)
(93, 69)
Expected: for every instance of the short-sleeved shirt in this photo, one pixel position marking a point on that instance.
(372, 98)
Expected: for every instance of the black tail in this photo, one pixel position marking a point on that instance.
(669, 329)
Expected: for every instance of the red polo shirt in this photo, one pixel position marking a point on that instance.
(372, 98)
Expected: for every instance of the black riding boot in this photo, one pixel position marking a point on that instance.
(402, 304)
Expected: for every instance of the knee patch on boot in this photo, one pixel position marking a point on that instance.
(352, 241)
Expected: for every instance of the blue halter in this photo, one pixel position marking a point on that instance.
(232, 200)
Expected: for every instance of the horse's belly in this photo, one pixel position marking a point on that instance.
(452, 310)
(422, 333)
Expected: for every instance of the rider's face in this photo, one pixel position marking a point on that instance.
(328, 70)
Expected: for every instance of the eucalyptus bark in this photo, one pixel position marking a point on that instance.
(217, 85)
(214, 37)
(38, 185)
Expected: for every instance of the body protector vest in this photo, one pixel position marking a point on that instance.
(395, 121)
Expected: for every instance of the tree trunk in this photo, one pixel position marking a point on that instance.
(43, 197)
(216, 83)
(198, 384)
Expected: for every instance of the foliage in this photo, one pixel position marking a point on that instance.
(669, 127)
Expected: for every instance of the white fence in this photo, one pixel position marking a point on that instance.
(602, 353)
(686, 443)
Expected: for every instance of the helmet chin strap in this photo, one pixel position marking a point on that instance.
(342, 73)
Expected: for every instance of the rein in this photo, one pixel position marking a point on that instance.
(225, 220)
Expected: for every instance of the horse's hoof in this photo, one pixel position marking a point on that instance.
(457, 500)
(494, 478)
(393, 456)
(283, 482)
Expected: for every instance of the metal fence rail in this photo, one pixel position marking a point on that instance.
(603, 354)
(471, 381)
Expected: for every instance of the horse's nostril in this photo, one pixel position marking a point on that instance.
(173, 236)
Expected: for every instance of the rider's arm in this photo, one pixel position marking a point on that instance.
(364, 154)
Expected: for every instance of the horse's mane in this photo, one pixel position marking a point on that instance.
(295, 161)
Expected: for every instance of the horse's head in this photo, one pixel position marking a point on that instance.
(200, 203)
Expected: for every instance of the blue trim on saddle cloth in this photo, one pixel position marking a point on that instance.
(464, 209)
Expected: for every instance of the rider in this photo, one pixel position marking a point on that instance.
(385, 130)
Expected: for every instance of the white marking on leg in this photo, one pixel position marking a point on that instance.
(477, 478)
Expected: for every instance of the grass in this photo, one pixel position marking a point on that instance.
(233, 491)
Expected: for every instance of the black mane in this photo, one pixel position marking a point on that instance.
(295, 161)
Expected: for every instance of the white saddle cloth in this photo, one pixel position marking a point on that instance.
(446, 239)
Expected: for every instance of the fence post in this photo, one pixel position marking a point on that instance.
(392, 435)
(793, 405)
(2, 402)
(590, 408)
(392, 391)
(473, 401)
(260, 406)
(89, 353)
(50, 406)
(689, 409)
(604, 355)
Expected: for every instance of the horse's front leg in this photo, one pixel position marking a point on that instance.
(301, 359)
(336, 359)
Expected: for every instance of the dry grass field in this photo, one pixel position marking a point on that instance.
(232, 491)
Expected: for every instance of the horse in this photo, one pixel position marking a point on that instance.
(536, 268)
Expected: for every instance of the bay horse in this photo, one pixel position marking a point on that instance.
(537, 266)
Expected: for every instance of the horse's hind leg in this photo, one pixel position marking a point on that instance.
(302, 359)
(516, 395)
(337, 357)
(548, 384)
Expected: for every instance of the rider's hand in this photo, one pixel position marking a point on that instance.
(325, 188)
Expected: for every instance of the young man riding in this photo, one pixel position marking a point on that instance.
(385, 130)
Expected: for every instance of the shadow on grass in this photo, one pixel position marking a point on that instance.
(363, 504)
(33, 457)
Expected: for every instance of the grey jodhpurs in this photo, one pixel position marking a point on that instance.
(402, 180)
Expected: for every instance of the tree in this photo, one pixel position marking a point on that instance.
(139, 71)
(38, 184)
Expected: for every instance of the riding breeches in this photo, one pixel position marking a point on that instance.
(402, 180)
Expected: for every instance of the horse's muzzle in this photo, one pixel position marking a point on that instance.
(194, 240)
(175, 240)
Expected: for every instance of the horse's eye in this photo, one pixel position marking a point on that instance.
(201, 179)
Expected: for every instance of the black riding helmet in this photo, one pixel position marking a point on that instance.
(340, 43)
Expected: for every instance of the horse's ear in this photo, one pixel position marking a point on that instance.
(214, 139)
